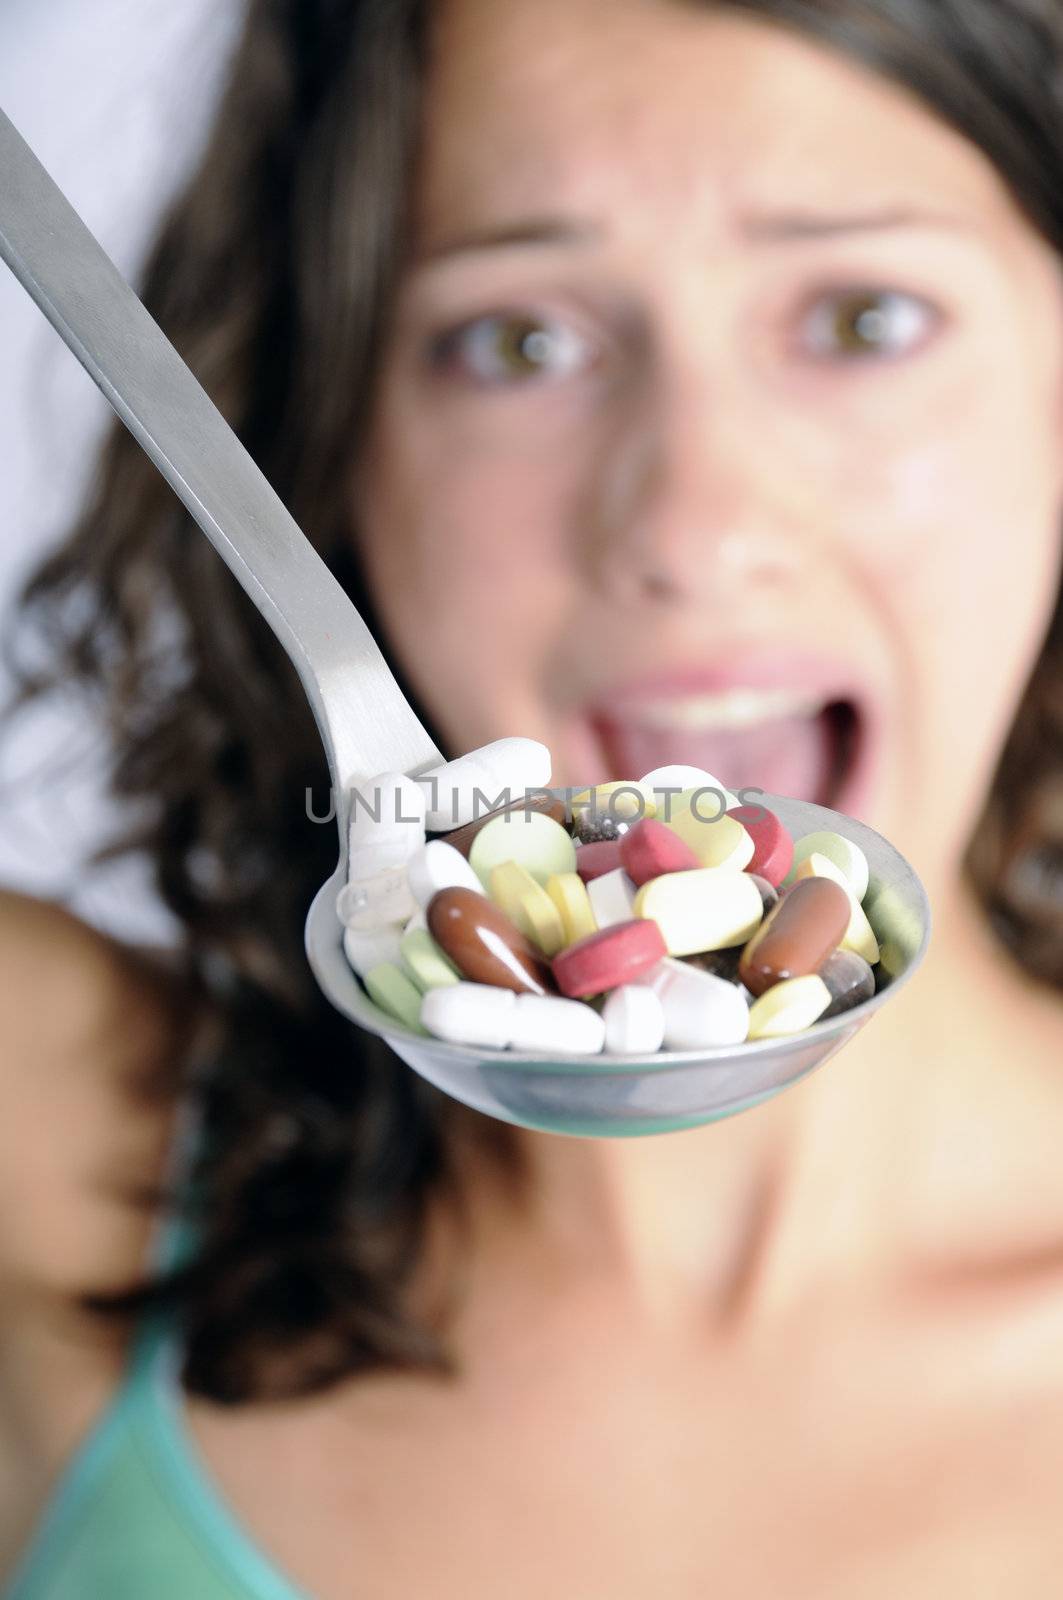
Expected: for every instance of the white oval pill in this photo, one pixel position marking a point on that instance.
(701, 1011)
(418, 920)
(612, 898)
(705, 909)
(846, 856)
(634, 1021)
(788, 1007)
(437, 865)
(373, 948)
(545, 1022)
(376, 902)
(470, 1013)
(468, 788)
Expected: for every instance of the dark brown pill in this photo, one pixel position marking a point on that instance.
(484, 945)
(849, 979)
(797, 935)
(769, 895)
(721, 963)
(548, 805)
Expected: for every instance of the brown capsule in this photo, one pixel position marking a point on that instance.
(797, 935)
(484, 945)
(849, 979)
(548, 805)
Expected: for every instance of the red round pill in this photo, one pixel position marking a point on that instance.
(606, 959)
(595, 860)
(773, 848)
(651, 848)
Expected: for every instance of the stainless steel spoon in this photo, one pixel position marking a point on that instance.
(366, 725)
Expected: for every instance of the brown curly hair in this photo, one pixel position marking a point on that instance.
(272, 275)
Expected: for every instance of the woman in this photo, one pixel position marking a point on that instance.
(666, 381)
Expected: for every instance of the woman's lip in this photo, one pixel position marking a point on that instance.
(776, 669)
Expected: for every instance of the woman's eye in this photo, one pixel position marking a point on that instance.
(511, 349)
(868, 323)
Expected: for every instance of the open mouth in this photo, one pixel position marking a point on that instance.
(788, 741)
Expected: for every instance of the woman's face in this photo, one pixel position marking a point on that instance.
(721, 419)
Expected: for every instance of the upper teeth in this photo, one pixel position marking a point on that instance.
(733, 708)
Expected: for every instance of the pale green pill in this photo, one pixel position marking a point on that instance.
(390, 989)
(846, 856)
(532, 839)
(425, 961)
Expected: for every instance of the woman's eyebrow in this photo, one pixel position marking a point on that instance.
(756, 227)
(536, 230)
(769, 227)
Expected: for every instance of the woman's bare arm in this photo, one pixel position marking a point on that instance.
(82, 1021)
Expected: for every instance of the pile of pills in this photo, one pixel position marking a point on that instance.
(629, 918)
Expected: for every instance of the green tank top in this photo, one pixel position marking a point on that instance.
(135, 1515)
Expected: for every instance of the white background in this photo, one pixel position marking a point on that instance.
(115, 97)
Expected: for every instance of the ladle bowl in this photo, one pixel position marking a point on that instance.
(620, 1096)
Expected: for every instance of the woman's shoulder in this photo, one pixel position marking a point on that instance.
(90, 1033)
(89, 1030)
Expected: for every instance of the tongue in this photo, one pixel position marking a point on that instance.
(792, 756)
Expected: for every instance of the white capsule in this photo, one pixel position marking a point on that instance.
(475, 1014)
(373, 948)
(634, 1021)
(545, 1022)
(389, 806)
(612, 898)
(464, 790)
(417, 921)
(437, 865)
(377, 902)
(701, 1011)
(386, 824)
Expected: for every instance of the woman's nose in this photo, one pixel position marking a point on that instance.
(683, 507)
